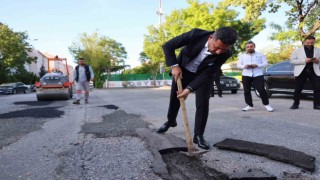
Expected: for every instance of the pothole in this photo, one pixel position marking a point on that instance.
(15, 124)
(33, 103)
(181, 166)
(118, 123)
(110, 106)
(46, 112)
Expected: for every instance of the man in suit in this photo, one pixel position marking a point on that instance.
(202, 55)
(306, 66)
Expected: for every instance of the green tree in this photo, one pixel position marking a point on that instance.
(275, 55)
(42, 71)
(26, 77)
(102, 53)
(196, 15)
(152, 54)
(13, 52)
(302, 17)
(209, 17)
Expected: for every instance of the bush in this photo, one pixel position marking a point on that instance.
(24, 77)
(98, 83)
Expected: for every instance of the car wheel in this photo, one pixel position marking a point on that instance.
(266, 87)
(234, 91)
(71, 92)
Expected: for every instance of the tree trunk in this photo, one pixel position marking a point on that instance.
(108, 76)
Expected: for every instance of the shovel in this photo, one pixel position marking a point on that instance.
(191, 150)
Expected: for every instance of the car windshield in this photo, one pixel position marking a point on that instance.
(51, 78)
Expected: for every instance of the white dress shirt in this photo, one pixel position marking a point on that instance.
(193, 65)
(254, 58)
(82, 74)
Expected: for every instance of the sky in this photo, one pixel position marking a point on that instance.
(52, 26)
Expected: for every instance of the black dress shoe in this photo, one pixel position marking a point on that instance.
(317, 107)
(220, 95)
(294, 106)
(198, 139)
(166, 126)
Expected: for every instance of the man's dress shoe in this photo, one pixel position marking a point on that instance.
(198, 139)
(294, 107)
(317, 107)
(166, 126)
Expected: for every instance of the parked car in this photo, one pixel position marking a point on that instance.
(31, 87)
(279, 79)
(13, 88)
(228, 84)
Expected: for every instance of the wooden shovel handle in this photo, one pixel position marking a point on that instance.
(185, 120)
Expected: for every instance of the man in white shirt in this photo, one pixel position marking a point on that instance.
(252, 63)
(82, 75)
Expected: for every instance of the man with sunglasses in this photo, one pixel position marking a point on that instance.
(202, 55)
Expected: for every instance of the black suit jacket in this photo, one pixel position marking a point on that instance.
(193, 42)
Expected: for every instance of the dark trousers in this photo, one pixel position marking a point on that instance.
(300, 81)
(202, 102)
(258, 84)
(218, 84)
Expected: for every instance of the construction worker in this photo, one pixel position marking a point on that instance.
(82, 75)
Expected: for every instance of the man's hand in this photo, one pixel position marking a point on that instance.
(316, 60)
(309, 60)
(254, 66)
(176, 72)
(91, 79)
(184, 94)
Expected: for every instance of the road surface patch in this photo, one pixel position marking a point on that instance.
(45, 112)
(278, 153)
(110, 106)
(33, 103)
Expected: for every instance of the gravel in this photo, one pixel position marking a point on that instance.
(123, 157)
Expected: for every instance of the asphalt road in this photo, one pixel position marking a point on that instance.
(58, 140)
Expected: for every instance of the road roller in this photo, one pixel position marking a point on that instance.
(54, 85)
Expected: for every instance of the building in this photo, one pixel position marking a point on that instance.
(35, 67)
(42, 60)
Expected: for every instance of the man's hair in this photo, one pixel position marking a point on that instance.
(81, 59)
(310, 37)
(227, 35)
(250, 42)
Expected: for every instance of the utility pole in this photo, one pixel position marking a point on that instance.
(160, 13)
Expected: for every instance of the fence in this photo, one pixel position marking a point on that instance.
(146, 80)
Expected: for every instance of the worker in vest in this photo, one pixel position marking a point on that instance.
(82, 75)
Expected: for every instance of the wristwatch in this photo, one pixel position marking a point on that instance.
(190, 88)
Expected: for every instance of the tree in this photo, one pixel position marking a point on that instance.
(152, 54)
(13, 50)
(303, 16)
(42, 71)
(196, 15)
(209, 17)
(102, 53)
(25, 77)
(275, 55)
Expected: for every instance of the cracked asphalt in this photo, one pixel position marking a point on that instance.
(113, 137)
